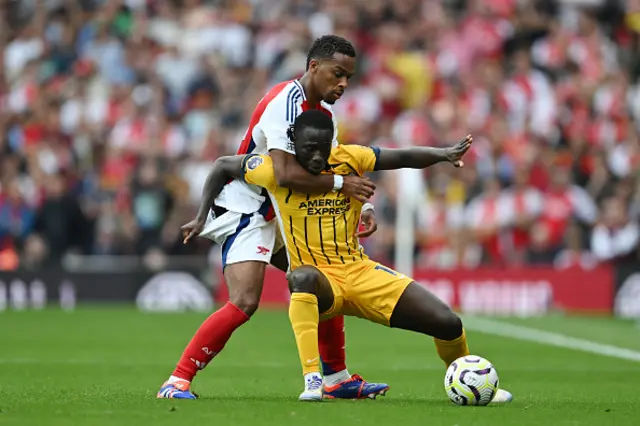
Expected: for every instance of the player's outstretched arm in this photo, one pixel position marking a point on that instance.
(418, 157)
(224, 169)
(290, 174)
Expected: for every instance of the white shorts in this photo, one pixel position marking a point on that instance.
(243, 237)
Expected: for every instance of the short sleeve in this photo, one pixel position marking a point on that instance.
(365, 158)
(258, 170)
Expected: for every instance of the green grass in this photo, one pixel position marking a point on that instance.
(103, 366)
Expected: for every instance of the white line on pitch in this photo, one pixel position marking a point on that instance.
(518, 332)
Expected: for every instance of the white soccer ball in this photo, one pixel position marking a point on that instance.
(471, 380)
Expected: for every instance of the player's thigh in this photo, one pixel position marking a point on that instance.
(245, 254)
(373, 291)
(420, 310)
(309, 279)
(244, 281)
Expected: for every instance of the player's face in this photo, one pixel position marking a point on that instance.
(330, 76)
(313, 148)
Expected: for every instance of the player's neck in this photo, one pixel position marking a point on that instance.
(312, 98)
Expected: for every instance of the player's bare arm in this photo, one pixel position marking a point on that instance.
(224, 168)
(290, 174)
(422, 157)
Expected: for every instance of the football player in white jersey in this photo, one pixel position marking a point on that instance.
(241, 220)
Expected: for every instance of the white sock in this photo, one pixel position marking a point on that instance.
(336, 378)
(309, 377)
(173, 379)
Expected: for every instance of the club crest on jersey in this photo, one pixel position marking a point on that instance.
(254, 162)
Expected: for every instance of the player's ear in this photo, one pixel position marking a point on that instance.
(291, 134)
(313, 65)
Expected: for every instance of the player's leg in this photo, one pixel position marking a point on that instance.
(338, 382)
(333, 357)
(311, 294)
(331, 339)
(244, 269)
(420, 310)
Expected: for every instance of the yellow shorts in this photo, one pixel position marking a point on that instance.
(364, 289)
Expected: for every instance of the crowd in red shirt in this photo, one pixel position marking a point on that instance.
(111, 113)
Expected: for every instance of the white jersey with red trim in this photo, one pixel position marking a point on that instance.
(267, 130)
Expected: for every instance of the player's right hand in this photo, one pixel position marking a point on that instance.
(192, 229)
(455, 153)
(360, 188)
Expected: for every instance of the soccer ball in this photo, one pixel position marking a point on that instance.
(471, 380)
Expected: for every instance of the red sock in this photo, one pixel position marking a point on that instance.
(331, 345)
(209, 340)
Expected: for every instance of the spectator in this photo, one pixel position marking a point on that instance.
(16, 217)
(489, 222)
(115, 110)
(151, 205)
(60, 221)
(615, 237)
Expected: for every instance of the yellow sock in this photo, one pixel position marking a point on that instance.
(304, 317)
(450, 350)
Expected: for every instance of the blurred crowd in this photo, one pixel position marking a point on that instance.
(112, 112)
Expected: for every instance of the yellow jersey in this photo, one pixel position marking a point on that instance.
(317, 229)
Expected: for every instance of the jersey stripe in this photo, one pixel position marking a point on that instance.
(245, 219)
(346, 235)
(335, 239)
(306, 240)
(297, 83)
(295, 100)
(291, 112)
(294, 238)
(322, 239)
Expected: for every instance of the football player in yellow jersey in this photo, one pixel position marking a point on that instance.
(329, 272)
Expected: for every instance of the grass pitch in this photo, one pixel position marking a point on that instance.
(103, 366)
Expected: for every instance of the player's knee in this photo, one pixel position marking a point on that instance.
(247, 302)
(449, 324)
(303, 280)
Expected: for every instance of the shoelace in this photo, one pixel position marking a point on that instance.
(182, 386)
(356, 378)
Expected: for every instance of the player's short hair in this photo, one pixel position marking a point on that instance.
(327, 46)
(314, 119)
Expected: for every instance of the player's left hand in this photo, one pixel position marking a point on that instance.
(456, 152)
(192, 229)
(368, 219)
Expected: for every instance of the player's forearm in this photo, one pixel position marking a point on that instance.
(410, 158)
(305, 182)
(291, 175)
(223, 169)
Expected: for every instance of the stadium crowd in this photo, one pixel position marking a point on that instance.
(111, 113)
